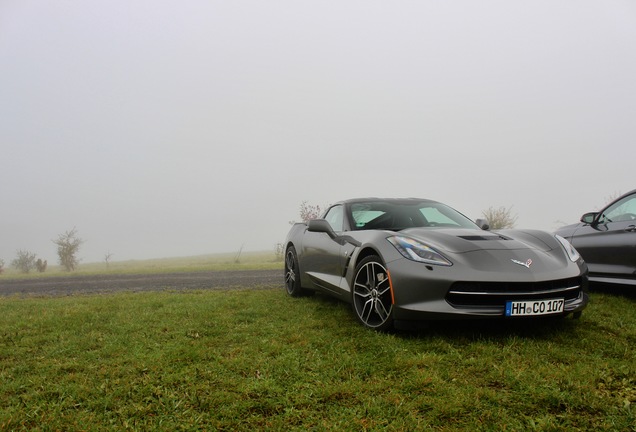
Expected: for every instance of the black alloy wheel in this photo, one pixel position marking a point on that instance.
(292, 273)
(372, 299)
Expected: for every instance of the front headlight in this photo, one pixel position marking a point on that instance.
(569, 249)
(416, 251)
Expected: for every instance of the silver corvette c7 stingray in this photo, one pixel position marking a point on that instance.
(399, 261)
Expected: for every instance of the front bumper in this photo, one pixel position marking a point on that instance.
(424, 292)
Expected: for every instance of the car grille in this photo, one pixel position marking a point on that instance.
(496, 294)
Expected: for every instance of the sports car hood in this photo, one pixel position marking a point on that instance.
(468, 240)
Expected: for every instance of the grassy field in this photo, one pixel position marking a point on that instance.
(213, 262)
(256, 359)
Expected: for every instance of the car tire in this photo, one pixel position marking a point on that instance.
(372, 299)
(292, 274)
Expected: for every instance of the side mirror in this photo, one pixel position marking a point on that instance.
(321, 226)
(483, 224)
(588, 218)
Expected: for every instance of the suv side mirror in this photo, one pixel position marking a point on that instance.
(588, 218)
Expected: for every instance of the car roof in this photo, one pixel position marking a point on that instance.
(385, 200)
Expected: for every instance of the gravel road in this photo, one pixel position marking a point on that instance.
(70, 285)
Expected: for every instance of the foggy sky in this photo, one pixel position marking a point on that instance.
(172, 128)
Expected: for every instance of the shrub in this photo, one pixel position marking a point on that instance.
(24, 261)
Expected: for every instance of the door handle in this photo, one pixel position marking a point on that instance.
(631, 228)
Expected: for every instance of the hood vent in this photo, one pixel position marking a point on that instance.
(482, 238)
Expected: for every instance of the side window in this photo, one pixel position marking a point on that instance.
(335, 218)
(624, 210)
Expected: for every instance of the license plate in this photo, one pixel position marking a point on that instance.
(534, 307)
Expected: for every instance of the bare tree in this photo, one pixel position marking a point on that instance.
(279, 251)
(24, 261)
(107, 259)
(309, 212)
(237, 258)
(500, 218)
(68, 245)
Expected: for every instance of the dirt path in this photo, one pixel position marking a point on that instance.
(61, 286)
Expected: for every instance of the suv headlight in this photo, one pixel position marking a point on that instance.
(569, 249)
(417, 251)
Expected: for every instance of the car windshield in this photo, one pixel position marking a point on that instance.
(399, 215)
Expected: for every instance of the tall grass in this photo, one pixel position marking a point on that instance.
(253, 360)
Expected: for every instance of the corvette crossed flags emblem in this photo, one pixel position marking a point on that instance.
(526, 264)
